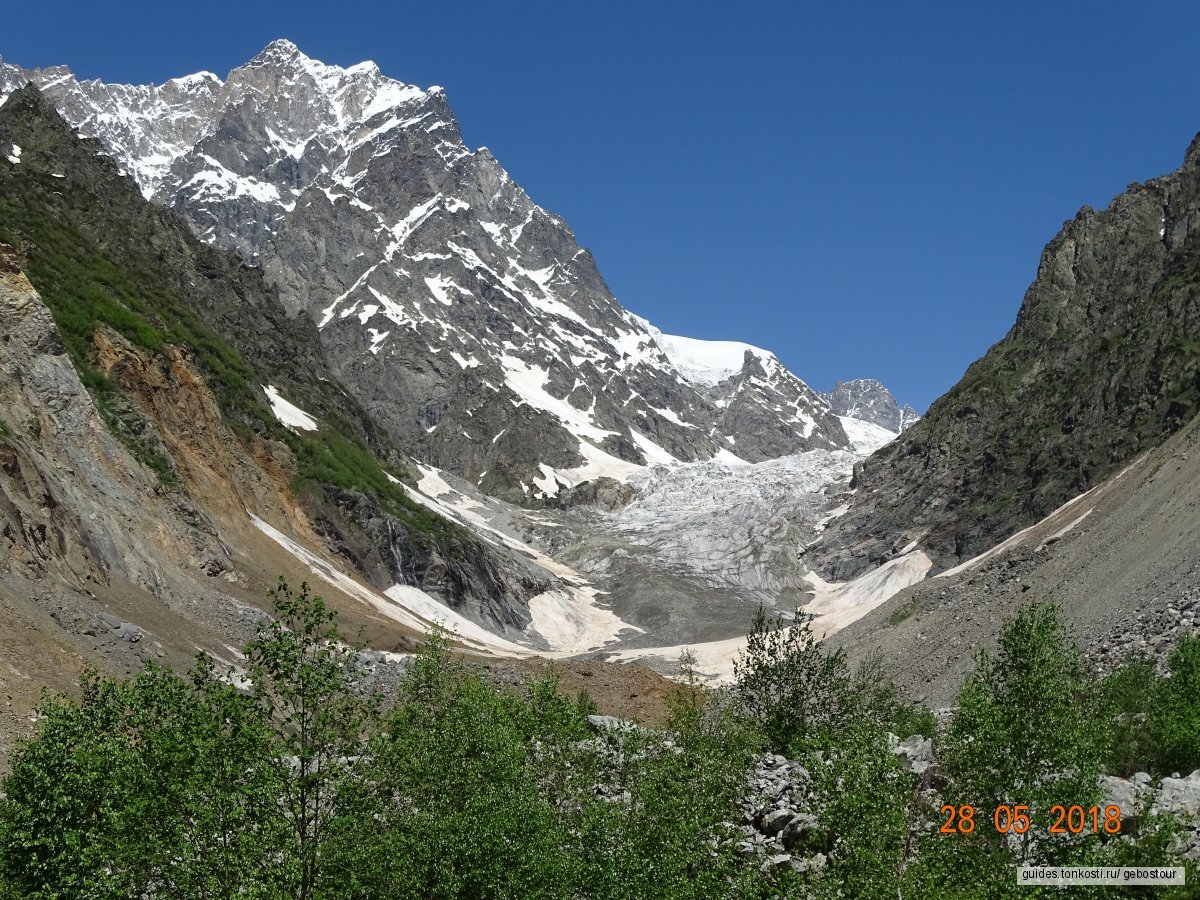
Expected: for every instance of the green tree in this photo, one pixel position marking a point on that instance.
(160, 784)
(1026, 731)
(1125, 697)
(60, 817)
(1175, 715)
(303, 676)
(450, 805)
(862, 794)
(191, 787)
(798, 695)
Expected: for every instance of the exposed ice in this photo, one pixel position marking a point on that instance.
(866, 437)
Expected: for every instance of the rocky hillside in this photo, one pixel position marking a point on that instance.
(464, 318)
(1123, 561)
(1102, 364)
(189, 358)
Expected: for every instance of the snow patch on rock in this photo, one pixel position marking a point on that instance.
(288, 413)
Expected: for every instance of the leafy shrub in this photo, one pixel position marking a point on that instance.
(798, 695)
(1026, 728)
(1125, 697)
(1175, 715)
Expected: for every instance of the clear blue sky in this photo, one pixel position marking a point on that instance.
(862, 188)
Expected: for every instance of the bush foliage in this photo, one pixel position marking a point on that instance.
(287, 778)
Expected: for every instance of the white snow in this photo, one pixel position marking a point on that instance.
(1062, 532)
(409, 606)
(377, 339)
(866, 437)
(529, 383)
(218, 183)
(835, 605)
(495, 231)
(724, 457)
(705, 363)
(441, 286)
(571, 622)
(655, 455)
(410, 223)
(14, 155)
(671, 416)
(195, 80)
(417, 601)
(288, 413)
(598, 465)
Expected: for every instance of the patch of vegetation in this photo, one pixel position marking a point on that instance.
(306, 785)
(328, 457)
(87, 286)
(903, 612)
(1175, 712)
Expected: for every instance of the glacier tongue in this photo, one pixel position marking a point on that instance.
(687, 562)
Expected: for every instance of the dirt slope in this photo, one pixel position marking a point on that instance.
(1122, 559)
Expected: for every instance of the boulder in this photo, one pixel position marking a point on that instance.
(775, 822)
(1180, 796)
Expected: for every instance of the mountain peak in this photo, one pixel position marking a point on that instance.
(279, 50)
(869, 400)
(435, 270)
(197, 80)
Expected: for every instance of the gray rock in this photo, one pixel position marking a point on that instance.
(1180, 796)
(917, 753)
(1127, 794)
(800, 826)
(1044, 394)
(813, 863)
(867, 399)
(775, 822)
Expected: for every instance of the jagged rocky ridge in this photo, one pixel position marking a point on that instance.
(870, 401)
(1102, 364)
(146, 309)
(465, 319)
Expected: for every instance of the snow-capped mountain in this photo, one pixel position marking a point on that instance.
(868, 400)
(464, 317)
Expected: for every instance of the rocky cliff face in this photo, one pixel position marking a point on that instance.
(1102, 364)
(465, 319)
(177, 342)
(870, 401)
